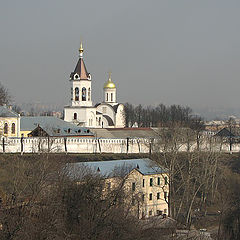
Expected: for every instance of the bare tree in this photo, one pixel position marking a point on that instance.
(4, 95)
(192, 170)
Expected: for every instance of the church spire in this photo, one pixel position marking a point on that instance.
(80, 72)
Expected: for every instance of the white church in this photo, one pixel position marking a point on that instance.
(82, 112)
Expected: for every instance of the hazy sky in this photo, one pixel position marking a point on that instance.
(172, 51)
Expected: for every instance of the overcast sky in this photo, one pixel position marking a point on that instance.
(171, 51)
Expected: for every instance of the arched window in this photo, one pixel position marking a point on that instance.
(75, 116)
(5, 128)
(84, 93)
(106, 97)
(89, 94)
(76, 94)
(13, 128)
(111, 97)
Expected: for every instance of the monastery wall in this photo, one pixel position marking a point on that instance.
(74, 145)
(94, 145)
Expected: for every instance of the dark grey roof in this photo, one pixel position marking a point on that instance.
(97, 104)
(114, 107)
(109, 120)
(102, 133)
(123, 133)
(6, 112)
(133, 133)
(116, 167)
(53, 126)
(227, 132)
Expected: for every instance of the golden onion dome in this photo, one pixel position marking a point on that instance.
(109, 83)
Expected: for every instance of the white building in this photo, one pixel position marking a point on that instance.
(82, 112)
(146, 184)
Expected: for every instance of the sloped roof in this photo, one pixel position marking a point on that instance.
(114, 107)
(123, 133)
(109, 120)
(101, 133)
(132, 132)
(53, 126)
(81, 70)
(118, 167)
(227, 132)
(6, 112)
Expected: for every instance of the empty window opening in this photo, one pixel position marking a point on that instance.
(76, 94)
(151, 182)
(133, 186)
(89, 94)
(75, 116)
(165, 180)
(5, 128)
(13, 128)
(84, 93)
(150, 196)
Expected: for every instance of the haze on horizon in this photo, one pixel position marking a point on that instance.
(172, 52)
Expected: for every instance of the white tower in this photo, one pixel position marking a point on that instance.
(81, 111)
(81, 85)
(110, 91)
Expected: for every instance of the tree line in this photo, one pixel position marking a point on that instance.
(159, 116)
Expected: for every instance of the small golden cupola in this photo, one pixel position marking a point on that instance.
(109, 83)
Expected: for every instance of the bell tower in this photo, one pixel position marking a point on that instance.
(81, 84)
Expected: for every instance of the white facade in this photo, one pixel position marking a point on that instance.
(78, 93)
(110, 95)
(81, 110)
